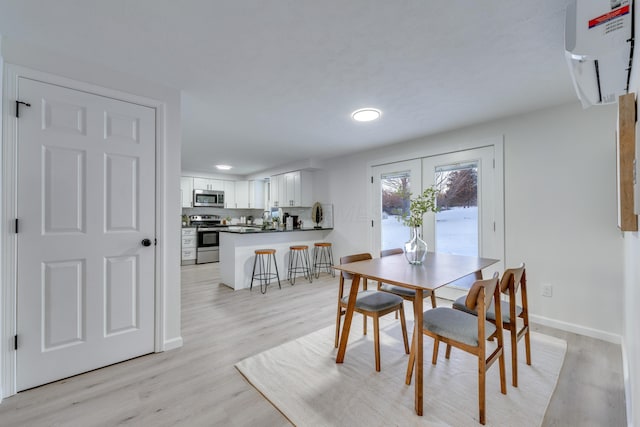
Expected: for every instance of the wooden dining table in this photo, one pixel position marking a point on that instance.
(437, 270)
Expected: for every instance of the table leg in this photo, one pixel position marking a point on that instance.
(417, 310)
(346, 326)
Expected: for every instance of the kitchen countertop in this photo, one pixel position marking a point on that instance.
(258, 229)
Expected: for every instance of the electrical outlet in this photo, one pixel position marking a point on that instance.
(547, 290)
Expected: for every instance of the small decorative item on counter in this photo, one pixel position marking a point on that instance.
(316, 214)
(185, 220)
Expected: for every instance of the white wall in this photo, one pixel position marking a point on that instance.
(631, 291)
(168, 181)
(1, 195)
(560, 208)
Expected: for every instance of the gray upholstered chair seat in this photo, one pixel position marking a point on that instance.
(491, 312)
(399, 290)
(455, 324)
(374, 300)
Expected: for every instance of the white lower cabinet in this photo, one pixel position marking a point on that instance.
(189, 244)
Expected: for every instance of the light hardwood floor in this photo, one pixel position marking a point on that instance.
(198, 384)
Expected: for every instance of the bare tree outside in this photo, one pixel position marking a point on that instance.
(395, 194)
(457, 188)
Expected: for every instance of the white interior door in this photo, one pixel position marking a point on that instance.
(392, 185)
(86, 201)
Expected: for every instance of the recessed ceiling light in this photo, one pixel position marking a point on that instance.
(366, 114)
(223, 167)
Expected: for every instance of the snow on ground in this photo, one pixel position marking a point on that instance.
(456, 232)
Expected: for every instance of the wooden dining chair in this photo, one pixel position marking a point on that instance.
(372, 304)
(468, 332)
(513, 279)
(405, 293)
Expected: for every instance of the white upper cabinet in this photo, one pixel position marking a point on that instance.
(256, 194)
(186, 191)
(291, 189)
(229, 194)
(250, 194)
(208, 184)
(242, 194)
(274, 193)
(237, 194)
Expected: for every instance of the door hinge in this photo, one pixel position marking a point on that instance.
(372, 179)
(26, 104)
(17, 222)
(155, 242)
(15, 342)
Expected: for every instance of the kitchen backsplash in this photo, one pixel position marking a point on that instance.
(304, 214)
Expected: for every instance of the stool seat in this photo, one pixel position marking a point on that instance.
(322, 244)
(263, 273)
(298, 247)
(265, 251)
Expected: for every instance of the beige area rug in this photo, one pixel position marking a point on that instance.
(301, 379)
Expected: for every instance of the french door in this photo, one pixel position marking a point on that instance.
(86, 211)
(470, 200)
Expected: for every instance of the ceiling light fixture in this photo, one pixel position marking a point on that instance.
(223, 167)
(365, 114)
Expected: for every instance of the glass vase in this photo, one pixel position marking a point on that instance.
(415, 249)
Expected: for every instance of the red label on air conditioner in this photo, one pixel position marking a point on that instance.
(602, 19)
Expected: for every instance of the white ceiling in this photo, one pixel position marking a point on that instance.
(266, 83)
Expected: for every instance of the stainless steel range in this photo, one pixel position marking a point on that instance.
(208, 246)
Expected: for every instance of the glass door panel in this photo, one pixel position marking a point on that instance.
(393, 184)
(456, 225)
(466, 223)
(395, 191)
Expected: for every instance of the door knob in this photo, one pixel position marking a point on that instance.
(146, 242)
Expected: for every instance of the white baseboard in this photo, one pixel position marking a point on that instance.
(577, 329)
(172, 344)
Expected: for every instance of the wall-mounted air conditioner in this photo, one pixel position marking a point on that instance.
(598, 43)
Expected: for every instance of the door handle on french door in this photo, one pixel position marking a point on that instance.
(146, 242)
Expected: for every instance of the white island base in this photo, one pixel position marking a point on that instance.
(237, 253)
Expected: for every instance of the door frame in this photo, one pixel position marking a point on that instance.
(8, 248)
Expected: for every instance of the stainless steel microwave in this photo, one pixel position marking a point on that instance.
(207, 198)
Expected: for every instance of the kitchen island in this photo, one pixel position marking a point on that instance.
(237, 246)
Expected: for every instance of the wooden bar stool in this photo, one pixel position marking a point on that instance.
(299, 263)
(264, 274)
(323, 258)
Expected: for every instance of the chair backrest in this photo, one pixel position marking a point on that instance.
(353, 258)
(515, 276)
(476, 295)
(388, 252)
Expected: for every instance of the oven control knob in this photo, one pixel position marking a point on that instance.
(146, 242)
